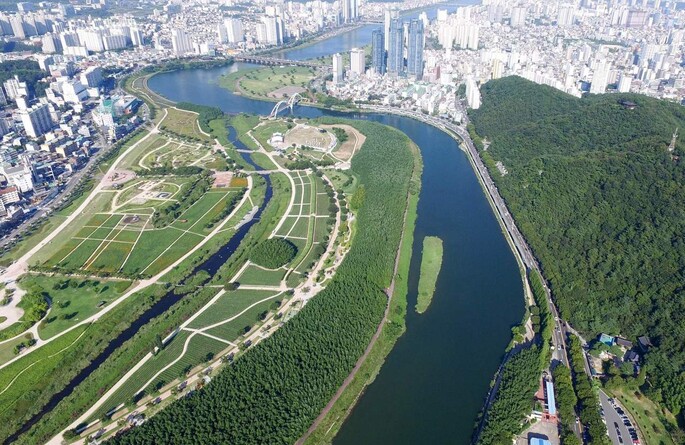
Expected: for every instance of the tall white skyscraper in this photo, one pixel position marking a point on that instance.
(350, 10)
(338, 70)
(600, 77)
(234, 30)
(390, 15)
(274, 30)
(180, 42)
(518, 16)
(357, 61)
(221, 32)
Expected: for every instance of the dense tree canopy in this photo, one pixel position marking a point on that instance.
(273, 393)
(273, 253)
(600, 199)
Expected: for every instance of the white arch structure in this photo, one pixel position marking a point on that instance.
(283, 104)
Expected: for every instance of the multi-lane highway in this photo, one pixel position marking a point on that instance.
(523, 251)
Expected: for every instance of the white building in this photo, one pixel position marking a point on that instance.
(357, 61)
(472, 93)
(180, 42)
(234, 30)
(36, 120)
(338, 70)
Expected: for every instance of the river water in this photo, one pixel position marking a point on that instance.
(436, 378)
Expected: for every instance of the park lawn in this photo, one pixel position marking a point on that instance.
(230, 305)
(199, 350)
(344, 181)
(182, 246)
(152, 244)
(300, 228)
(311, 257)
(321, 229)
(127, 235)
(7, 348)
(73, 302)
(263, 161)
(230, 80)
(111, 258)
(322, 204)
(220, 132)
(654, 423)
(138, 157)
(126, 392)
(99, 203)
(263, 81)
(195, 212)
(238, 326)
(132, 158)
(254, 275)
(431, 262)
(32, 371)
(264, 132)
(77, 258)
(184, 123)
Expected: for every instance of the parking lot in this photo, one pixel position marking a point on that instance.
(620, 428)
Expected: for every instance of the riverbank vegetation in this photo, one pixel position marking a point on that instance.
(302, 364)
(596, 193)
(431, 262)
(514, 399)
(588, 400)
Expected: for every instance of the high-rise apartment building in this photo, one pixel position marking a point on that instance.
(390, 15)
(396, 47)
(36, 120)
(357, 61)
(338, 70)
(518, 16)
(350, 10)
(378, 51)
(415, 49)
(234, 30)
(180, 42)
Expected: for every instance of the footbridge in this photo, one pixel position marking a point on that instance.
(283, 104)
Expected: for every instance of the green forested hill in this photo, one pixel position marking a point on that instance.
(602, 204)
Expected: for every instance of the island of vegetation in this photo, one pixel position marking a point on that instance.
(595, 185)
(273, 253)
(431, 262)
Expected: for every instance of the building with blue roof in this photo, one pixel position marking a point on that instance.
(551, 402)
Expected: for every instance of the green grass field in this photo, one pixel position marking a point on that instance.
(229, 305)
(652, 420)
(170, 352)
(7, 348)
(31, 373)
(264, 132)
(257, 276)
(235, 328)
(72, 299)
(184, 123)
(263, 81)
(199, 349)
(431, 262)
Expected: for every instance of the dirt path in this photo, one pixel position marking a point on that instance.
(389, 292)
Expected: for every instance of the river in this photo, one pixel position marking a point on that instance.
(435, 379)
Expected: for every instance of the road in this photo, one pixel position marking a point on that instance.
(618, 431)
(520, 246)
(45, 207)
